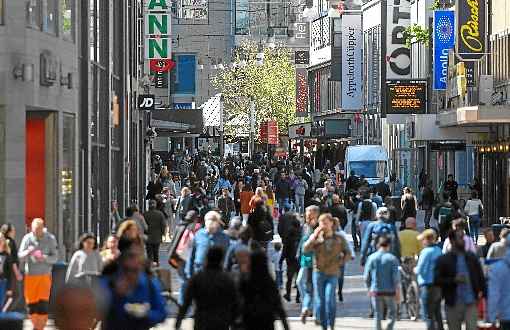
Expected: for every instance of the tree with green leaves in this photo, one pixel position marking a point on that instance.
(269, 83)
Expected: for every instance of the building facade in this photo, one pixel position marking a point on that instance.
(70, 136)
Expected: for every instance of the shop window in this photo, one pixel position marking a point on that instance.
(34, 13)
(184, 78)
(67, 19)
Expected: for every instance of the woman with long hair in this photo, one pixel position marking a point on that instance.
(6, 270)
(130, 230)
(262, 302)
(408, 205)
(86, 260)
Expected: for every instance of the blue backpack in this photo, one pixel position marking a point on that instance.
(382, 230)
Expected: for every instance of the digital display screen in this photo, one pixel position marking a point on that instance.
(406, 96)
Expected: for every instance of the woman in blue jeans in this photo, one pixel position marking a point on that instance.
(473, 209)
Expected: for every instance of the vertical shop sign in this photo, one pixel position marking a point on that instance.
(352, 66)
(444, 40)
(398, 56)
(301, 92)
(471, 35)
(158, 30)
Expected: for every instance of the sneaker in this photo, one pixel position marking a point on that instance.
(286, 297)
(298, 301)
(340, 297)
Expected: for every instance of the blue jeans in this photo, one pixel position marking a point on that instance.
(379, 304)
(3, 290)
(283, 203)
(341, 276)
(474, 227)
(430, 301)
(304, 284)
(183, 281)
(325, 297)
(279, 278)
(300, 203)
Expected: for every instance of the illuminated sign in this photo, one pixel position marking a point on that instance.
(406, 96)
(471, 32)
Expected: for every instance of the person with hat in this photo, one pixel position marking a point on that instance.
(211, 235)
(430, 294)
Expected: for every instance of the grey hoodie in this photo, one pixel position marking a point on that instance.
(48, 246)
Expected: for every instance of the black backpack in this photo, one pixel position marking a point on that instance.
(366, 210)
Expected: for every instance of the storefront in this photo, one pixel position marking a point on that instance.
(493, 169)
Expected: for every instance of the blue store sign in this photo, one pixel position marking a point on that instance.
(444, 40)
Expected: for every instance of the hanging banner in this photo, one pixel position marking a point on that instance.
(444, 40)
(398, 56)
(471, 32)
(301, 92)
(352, 66)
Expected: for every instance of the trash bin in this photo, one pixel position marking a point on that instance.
(58, 281)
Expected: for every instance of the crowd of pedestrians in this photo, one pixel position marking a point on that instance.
(245, 236)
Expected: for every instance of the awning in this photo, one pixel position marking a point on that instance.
(212, 110)
(178, 121)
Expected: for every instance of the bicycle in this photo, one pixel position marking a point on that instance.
(410, 289)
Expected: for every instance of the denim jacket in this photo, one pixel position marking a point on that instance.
(499, 296)
(381, 273)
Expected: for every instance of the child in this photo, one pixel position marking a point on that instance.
(275, 259)
(6, 270)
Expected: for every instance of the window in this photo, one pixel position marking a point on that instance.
(242, 19)
(370, 169)
(67, 19)
(2, 12)
(194, 9)
(49, 16)
(33, 13)
(184, 77)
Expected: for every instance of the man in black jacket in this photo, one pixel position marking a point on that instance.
(156, 229)
(214, 293)
(460, 276)
(283, 192)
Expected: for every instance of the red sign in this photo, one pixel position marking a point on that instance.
(268, 132)
(272, 132)
(301, 92)
(161, 66)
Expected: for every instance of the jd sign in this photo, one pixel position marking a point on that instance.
(158, 30)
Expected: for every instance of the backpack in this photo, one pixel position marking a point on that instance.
(382, 230)
(366, 210)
